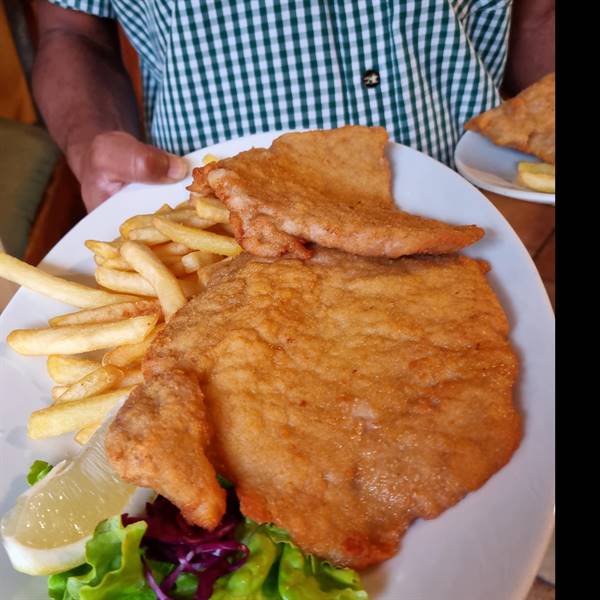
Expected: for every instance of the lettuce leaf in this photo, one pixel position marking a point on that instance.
(38, 470)
(113, 567)
(277, 570)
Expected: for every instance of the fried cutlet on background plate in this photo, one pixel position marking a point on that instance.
(332, 187)
(525, 122)
(344, 396)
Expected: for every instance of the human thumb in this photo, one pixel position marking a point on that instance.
(178, 167)
(152, 165)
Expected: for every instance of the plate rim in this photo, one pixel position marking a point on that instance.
(517, 194)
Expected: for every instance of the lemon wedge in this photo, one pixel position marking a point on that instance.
(537, 176)
(47, 529)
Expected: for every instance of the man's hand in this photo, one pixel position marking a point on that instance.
(87, 101)
(116, 158)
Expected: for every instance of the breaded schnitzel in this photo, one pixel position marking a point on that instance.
(330, 187)
(344, 396)
(526, 122)
(167, 435)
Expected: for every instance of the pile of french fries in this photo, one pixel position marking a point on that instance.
(144, 277)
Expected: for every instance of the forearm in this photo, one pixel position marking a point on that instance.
(531, 45)
(82, 90)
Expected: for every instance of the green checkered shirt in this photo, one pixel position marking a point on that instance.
(213, 70)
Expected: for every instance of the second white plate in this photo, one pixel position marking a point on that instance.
(494, 168)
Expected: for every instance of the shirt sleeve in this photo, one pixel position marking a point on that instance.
(98, 8)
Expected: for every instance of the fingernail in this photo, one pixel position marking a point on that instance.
(178, 167)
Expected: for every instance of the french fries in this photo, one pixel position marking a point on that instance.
(189, 285)
(83, 435)
(71, 416)
(205, 273)
(132, 377)
(97, 382)
(112, 263)
(198, 239)
(145, 275)
(69, 292)
(223, 229)
(166, 286)
(135, 222)
(211, 208)
(537, 176)
(142, 221)
(135, 283)
(124, 281)
(148, 235)
(106, 314)
(196, 260)
(185, 204)
(170, 249)
(190, 218)
(104, 249)
(185, 216)
(168, 261)
(57, 391)
(75, 339)
(177, 269)
(130, 354)
(65, 370)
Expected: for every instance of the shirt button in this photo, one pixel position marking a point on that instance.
(371, 78)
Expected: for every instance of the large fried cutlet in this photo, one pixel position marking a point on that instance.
(331, 187)
(345, 397)
(526, 122)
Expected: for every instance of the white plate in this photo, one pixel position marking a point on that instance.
(488, 546)
(494, 168)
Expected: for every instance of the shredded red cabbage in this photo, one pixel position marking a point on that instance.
(207, 554)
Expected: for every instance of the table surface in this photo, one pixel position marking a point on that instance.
(534, 224)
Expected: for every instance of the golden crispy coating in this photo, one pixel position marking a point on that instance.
(330, 187)
(526, 122)
(347, 396)
(158, 440)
